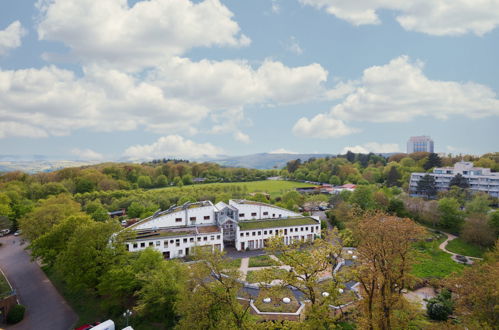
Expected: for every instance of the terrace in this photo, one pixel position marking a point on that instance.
(271, 223)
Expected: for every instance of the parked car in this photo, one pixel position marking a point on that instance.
(4, 232)
(17, 233)
(462, 259)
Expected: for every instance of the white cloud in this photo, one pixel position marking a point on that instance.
(399, 91)
(172, 146)
(242, 137)
(87, 154)
(12, 128)
(322, 126)
(373, 147)
(56, 102)
(111, 32)
(282, 151)
(10, 37)
(293, 46)
(434, 17)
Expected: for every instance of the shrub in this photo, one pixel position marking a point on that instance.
(16, 314)
(440, 307)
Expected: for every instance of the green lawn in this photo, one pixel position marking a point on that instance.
(249, 225)
(234, 263)
(4, 287)
(431, 262)
(262, 261)
(272, 187)
(459, 246)
(277, 305)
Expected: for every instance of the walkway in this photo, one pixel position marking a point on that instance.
(45, 307)
(443, 246)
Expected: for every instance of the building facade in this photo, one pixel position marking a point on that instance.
(242, 224)
(420, 143)
(480, 179)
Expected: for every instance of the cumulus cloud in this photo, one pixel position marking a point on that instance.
(87, 154)
(373, 147)
(172, 146)
(113, 33)
(399, 92)
(322, 126)
(10, 37)
(434, 17)
(242, 137)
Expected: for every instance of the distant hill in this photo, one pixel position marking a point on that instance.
(264, 160)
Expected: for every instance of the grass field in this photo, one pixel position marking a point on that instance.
(459, 246)
(431, 262)
(262, 261)
(271, 187)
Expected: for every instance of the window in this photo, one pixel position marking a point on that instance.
(259, 233)
(253, 233)
(180, 252)
(265, 213)
(273, 215)
(192, 218)
(302, 228)
(199, 239)
(207, 217)
(158, 243)
(151, 243)
(247, 234)
(241, 215)
(265, 232)
(218, 236)
(253, 214)
(212, 238)
(270, 231)
(306, 228)
(185, 240)
(142, 244)
(134, 245)
(177, 242)
(242, 234)
(290, 230)
(171, 241)
(178, 219)
(205, 238)
(165, 243)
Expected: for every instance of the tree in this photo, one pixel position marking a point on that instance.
(363, 197)
(144, 181)
(160, 288)
(48, 213)
(433, 161)
(451, 216)
(350, 156)
(476, 293)
(384, 250)
(459, 181)
(393, 177)
(494, 221)
(209, 298)
(479, 204)
(477, 230)
(427, 186)
(187, 179)
(440, 307)
(161, 181)
(135, 210)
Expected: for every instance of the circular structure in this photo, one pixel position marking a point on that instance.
(341, 290)
(286, 300)
(267, 300)
(325, 294)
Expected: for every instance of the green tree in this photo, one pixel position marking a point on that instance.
(161, 181)
(451, 216)
(459, 181)
(363, 197)
(48, 213)
(480, 204)
(494, 221)
(393, 177)
(84, 185)
(433, 161)
(187, 179)
(144, 181)
(135, 210)
(427, 186)
(440, 307)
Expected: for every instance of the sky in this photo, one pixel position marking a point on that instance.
(138, 80)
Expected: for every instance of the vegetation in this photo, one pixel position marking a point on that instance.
(16, 314)
(460, 246)
(440, 307)
(5, 289)
(261, 261)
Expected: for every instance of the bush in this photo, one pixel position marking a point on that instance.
(440, 307)
(16, 314)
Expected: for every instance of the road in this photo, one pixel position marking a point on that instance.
(46, 309)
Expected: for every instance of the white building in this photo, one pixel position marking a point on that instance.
(419, 143)
(480, 179)
(241, 224)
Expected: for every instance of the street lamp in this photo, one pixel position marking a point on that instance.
(127, 315)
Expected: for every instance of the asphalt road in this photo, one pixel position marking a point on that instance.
(46, 309)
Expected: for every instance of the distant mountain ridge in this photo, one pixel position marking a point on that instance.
(264, 160)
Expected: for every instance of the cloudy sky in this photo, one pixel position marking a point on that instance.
(107, 79)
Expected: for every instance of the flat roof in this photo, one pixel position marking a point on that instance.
(279, 222)
(208, 229)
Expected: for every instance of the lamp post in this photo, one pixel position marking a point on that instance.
(127, 315)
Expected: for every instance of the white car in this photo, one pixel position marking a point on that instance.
(17, 233)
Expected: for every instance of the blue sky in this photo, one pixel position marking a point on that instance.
(110, 79)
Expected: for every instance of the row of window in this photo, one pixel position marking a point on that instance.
(254, 214)
(175, 241)
(271, 232)
(206, 217)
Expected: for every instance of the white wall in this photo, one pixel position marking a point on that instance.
(169, 220)
(261, 211)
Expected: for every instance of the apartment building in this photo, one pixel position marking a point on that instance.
(242, 224)
(480, 179)
(419, 143)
